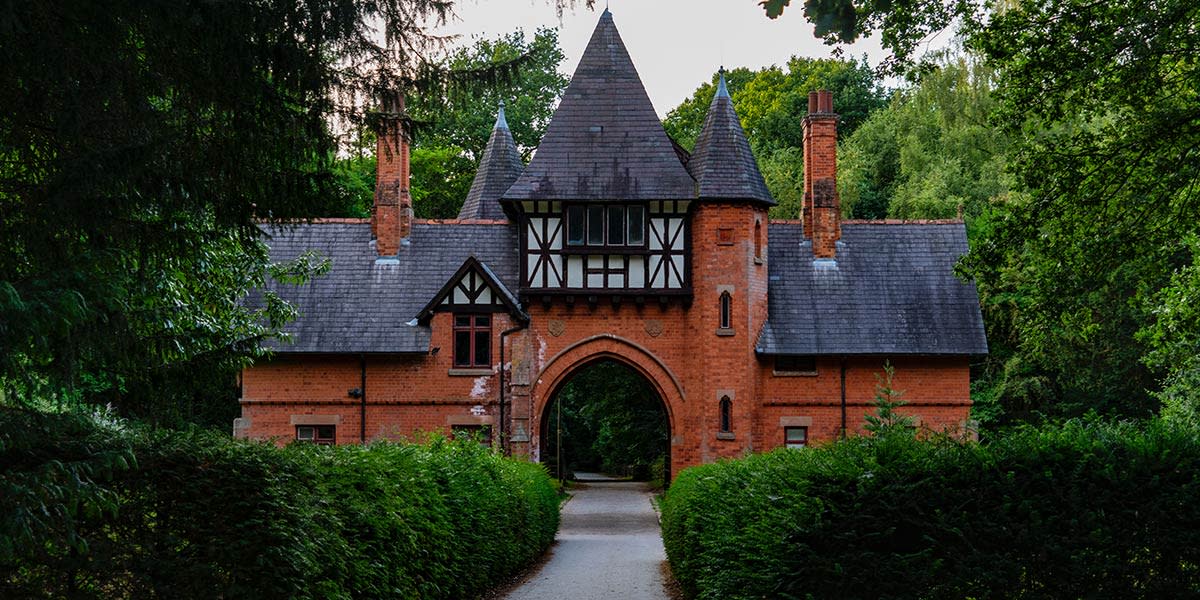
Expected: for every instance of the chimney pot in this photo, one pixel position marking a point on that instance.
(825, 101)
(812, 102)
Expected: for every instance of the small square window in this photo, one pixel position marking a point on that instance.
(324, 435)
(795, 437)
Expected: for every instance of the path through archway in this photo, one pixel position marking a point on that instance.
(606, 418)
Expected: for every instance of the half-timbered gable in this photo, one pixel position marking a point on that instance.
(604, 202)
(473, 288)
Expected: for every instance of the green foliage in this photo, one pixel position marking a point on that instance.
(612, 421)
(931, 151)
(453, 126)
(887, 420)
(771, 103)
(142, 145)
(1083, 510)
(108, 510)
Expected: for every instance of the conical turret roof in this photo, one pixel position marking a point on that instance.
(605, 142)
(722, 163)
(498, 169)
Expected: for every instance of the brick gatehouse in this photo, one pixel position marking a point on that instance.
(614, 243)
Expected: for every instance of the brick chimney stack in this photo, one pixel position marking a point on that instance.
(392, 215)
(822, 208)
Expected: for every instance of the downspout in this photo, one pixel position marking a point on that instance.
(500, 433)
(843, 397)
(362, 417)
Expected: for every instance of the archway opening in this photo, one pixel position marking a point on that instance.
(607, 419)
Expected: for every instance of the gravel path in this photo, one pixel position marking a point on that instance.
(609, 546)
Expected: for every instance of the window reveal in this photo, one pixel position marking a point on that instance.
(726, 409)
(472, 341)
(726, 319)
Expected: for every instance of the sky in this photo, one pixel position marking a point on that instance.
(676, 44)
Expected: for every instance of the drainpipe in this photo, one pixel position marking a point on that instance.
(500, 433)
(843, 397)
(362, 417)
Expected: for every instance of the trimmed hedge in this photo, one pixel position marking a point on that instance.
(115, 511)
(1085, 510)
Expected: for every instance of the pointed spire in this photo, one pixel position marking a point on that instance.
(722, 163)
(501, 122)
(605, 140)
(498, 169)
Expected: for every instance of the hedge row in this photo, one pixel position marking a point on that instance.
(113, 511)
(1086, 510)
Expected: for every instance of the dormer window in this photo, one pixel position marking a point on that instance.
(606, 225)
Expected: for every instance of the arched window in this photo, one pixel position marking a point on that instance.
(726, 415)
(726, 310)
(758, 240)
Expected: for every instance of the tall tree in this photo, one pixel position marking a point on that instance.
(1101, 99)
(453, 127)
(143, 142)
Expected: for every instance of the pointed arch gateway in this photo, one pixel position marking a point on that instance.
(562, 367)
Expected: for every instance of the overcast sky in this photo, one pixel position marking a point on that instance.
(675, 44)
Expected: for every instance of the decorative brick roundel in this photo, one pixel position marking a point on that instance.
(557, 327)
(654, 327)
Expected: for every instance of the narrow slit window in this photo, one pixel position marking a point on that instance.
(758, 239)
(726, 310)
(726, 415)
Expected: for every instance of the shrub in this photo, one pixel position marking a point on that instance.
(1083, 510)
(116, 511)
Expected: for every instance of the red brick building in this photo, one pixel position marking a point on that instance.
(615, 244)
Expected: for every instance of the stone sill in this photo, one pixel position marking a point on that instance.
(725, 332)
(725, 436)
(794, 373)
(470, 372)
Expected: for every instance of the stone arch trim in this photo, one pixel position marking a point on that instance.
(569, 360)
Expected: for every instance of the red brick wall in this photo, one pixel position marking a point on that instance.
(676, 346)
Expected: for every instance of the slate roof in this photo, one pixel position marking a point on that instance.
(605, 141)
(893, 291)
(498, 169)
(364, 306)
(722, 163)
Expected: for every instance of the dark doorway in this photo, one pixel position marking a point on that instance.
(607, 419)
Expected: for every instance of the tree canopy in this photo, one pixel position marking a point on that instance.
(1083, 272)
(143, 143)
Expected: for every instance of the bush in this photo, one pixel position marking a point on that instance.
(1084, 510)
(115, 511)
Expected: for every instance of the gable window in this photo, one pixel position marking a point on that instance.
(316, 434)
(473, 341)
(606, 225)
(726, 310)
(795, 437)
(726, 409)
